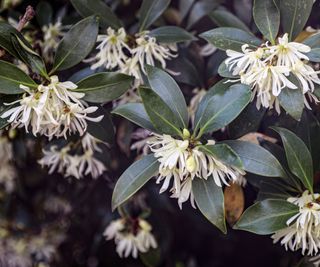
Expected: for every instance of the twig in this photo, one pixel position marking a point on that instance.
(28, 15)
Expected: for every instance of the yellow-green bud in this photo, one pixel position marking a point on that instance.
(191, 164)
(186, 133)
(12, 133)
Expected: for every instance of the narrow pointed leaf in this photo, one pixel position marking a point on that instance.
(171, 34)
(267, 216)
(292, 101)
(137, 175)
(210, 201)
(224, 18)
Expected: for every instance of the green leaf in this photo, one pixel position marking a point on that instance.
(224, 71)
(267, 18)
(256, 159)
(88, 8)
(222, 107)
(230, 38)
(76, 44)
(298, 157)
(210, 201)
(224, 153)
(292, 101)
(44, 13)
(138, 174)
(224, 18)
(294, 15)
(6, 31)
(150, 11)
(136, 113)
(28, 56)
(161, 116)
(11, 77)
(267, 216)
(166, 87)
(104, 86)
(104, 130)
(314, 42)
(171, 34)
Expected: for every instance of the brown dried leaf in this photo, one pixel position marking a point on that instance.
(303, 35)
(253, 138)
(233, 203)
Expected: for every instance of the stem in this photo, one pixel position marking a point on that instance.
(28, 15)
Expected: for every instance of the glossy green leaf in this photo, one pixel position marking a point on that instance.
(11, 77)
(292, 101)
(76, 44)
(161, 116)
(224, 71)
(136, 113)
(28, 56)
(230, 38)
(171, 34)
(267, 216)
(224, 18)
(210, 201)
(223, 107)
(256, 159)
(294, 15)
(137, 175)
(267, 18)
(314, 42)
(104, 86)
(298, 157)
(88, 8)
(224, 153)
(150, 11)
(166, 87)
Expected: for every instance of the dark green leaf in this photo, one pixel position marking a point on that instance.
(292, 101)
(224, 71)
(224, 18)
(256, 159)
(224, 153)
(44, 13)
(134, 178)
(76, 44)
(298, 157)
(314, 42)
(171, 34)
(150, 11)
(88, 8)
(104, 86)
(166, 87)
(136, 113)
(267, 216)
(11, 77)
(294, 15)
(210, 201)
(230, 38)
(159, 113)
(223, 107)
(267, 18)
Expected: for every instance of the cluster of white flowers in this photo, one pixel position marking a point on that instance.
(52, 34)
(183, 161)
(129, 54)
(303, 231)
(131, 236)
(267, 70)
(51, 110)
(65, 161)
(8, 172)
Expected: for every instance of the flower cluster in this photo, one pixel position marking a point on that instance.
(183, 161)
(129, 54)
(131, 235)
(303, 231)
(268, 69)
(66, 161)
(51, 110)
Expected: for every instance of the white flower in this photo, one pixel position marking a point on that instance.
(111, 49)
(303, 231)
(183, 161)
(131, 236)
(52, 34)
(148, 51)
(51, 110)
(68, 163)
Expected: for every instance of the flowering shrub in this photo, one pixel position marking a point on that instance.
(212, 103)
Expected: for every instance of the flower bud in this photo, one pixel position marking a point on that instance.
(186, 133)
(191, 164)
